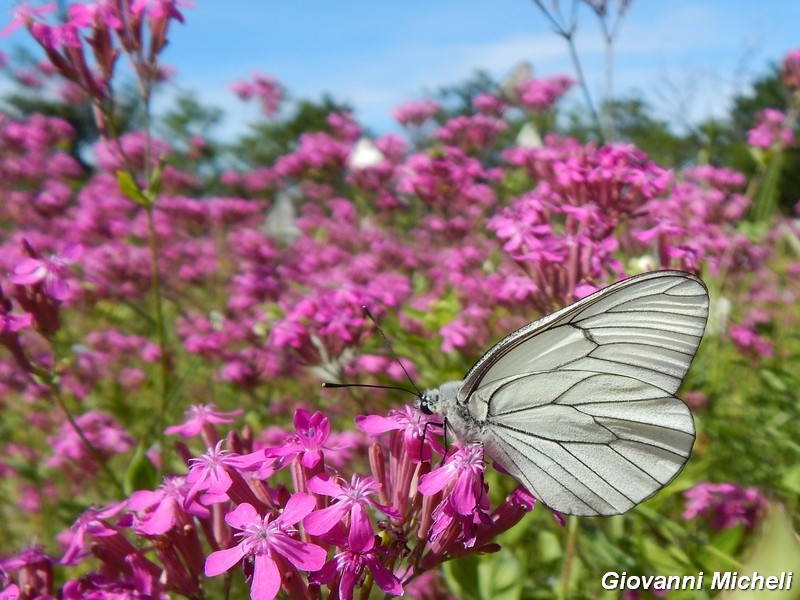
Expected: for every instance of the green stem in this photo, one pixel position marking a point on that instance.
(55, 392)
(158, 309)
(569, 556)
(576, 63)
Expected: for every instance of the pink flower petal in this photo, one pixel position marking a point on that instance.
(435, 481)
(308, 557)
(325, 486)
(242, 516)
(296, 508)
(374, 424)
(361, 537)
(322, 521)
(222, 560)
(311, 458)
(266, 578)
(463, 496)
(383, 576)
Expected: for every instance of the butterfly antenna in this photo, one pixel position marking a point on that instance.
(388, 344)
(369, 385)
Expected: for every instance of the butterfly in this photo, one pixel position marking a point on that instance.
(580, 406)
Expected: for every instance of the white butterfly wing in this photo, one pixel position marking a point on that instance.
(579, 406)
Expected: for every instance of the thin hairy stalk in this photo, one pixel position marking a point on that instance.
(158, 310)
(569, 556)
(55, 393)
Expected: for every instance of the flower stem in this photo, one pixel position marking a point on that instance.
(55, 392)
(569, 555)
(158, 310)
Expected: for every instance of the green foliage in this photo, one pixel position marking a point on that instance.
(456, 99)
(269, 140)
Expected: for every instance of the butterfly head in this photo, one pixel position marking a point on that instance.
(427, 402)
(439, 401)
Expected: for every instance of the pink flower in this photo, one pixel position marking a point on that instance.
(89, 526)
(10, 323)
(24, 16)
(350, 565)
(211, 473)
(52, 272)
(489, 105)
(724, 505)
(164, 508)
(197, 416)
(69, 451)
(311, 431)
(749, 341)
(263, 538)
(415, 113)
(267, 90)
(771, 130)
(541, 94)
(790, 70)
(462, 474)
(351, 499)
(418, 431)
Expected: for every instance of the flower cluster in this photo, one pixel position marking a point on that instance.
(418, 507)
(771, 130)
(415, 113)
(538, 95)
(724, 505)
(264, 88)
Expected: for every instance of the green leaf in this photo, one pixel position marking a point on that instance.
(791, 480)
(461, 577)
(154, 185)
(776, 550)
(500, 577)
(141, 474)
(130, 190)
(773, 380)
(490, 577)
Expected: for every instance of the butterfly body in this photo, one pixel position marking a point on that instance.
(579, 406)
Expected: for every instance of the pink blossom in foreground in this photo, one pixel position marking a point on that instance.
(265, 539)
(462, 471)
(350, 567)
(351, 500)
(418, 431)
(311, 432)
(164, 508)
(216, 472)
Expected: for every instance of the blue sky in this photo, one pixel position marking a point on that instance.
(686, 56)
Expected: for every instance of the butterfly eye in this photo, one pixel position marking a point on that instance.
(423, 404)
